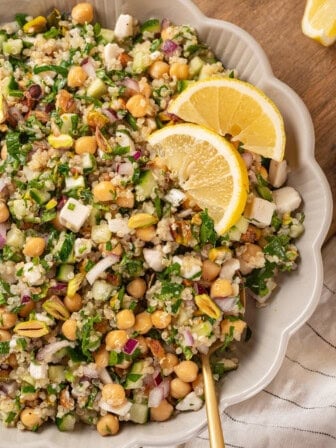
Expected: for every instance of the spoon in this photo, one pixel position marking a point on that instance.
(214, 422)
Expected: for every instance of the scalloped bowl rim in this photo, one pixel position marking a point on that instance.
(307, 136)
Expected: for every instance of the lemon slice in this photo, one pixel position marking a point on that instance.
(207, 167)
(319, 21)
(231, 106)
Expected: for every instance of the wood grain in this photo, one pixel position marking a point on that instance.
(306, 66)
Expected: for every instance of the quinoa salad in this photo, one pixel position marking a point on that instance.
(112, 280)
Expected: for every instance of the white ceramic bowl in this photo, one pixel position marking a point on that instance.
(299, 292)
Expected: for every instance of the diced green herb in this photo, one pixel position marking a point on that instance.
(257, 280)
(21, 19)
(207, 230)
(4, 348)
(52, 68)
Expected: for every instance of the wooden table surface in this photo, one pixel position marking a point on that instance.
(306, 66)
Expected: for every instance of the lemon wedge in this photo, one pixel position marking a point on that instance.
(231, 106)
(319, 21)
(207, 167)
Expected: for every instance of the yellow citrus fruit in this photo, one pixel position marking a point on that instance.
(207, 167)
(319, 21)
(231, 106)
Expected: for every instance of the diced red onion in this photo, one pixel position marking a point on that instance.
(3, 229)
(199, 288)
(105, 376)
(25, 299)
(88, 67)
(227, 304)
(2, 241)
(101, 267)
(46, 353)
(136, 155)
(61, 202)
(90, 371)
(110, 114)
(155, 397)
(131, 84)
(4, 181)
(165, 387)
(188, 339)
(125, 169)
(157, 378)
(165, 24)
(9, 388)
(130, 346)
(248, 159)
(169, 47)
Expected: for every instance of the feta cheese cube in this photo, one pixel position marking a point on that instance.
(33, 274)
(286, 199)
(74, 214)
(259, 211)
(38, 371)
(277, 175)
(111, 53)
(124, 26)
(175, 197)
(191, 267)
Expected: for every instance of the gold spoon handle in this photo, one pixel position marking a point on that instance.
(214, 421)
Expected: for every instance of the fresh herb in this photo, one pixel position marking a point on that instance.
(89, 265)
(75, 354)
(133, 377)
(120, 150)
(51, 68)
(21, 19)
(207, 230)
(170, 290)
(231, 74)
(276, 222)
(28, 389)
(113, 358)
(173, 269)
(52, 33)
(133, 266)
(92, 397)
(10, 417)
(257, 280)
(158, 207)
(176, 306)
(132, 122)
(277, 246)
(90, 339)
(4, 348)
(67, 247)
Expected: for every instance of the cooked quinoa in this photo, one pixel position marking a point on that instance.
(112, 280)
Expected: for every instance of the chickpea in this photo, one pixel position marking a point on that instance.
(161, 412)
(5, 335)
(4, 152)
(198, 385)
(221, 288)
(82, 13)
(142, 345)
(137, 105)
(108, 425)
(31, 418)
(116, 339)
(179, 70)
(101, 357)
(178, 388)
(137, 288)
(125, 319)
(125, 199)
(210, 270)
(143, 323)
(69, 329)
(4, 212)
(34, 247)
(7, 319)
(146, 233)
(104, 191)
(160, 319)
(250, 256)
(86, 145)
(27, 308)
(158, 69)
(73, 303)
(168, 363)
(187, 371)
(76, 76)
(113, 394)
